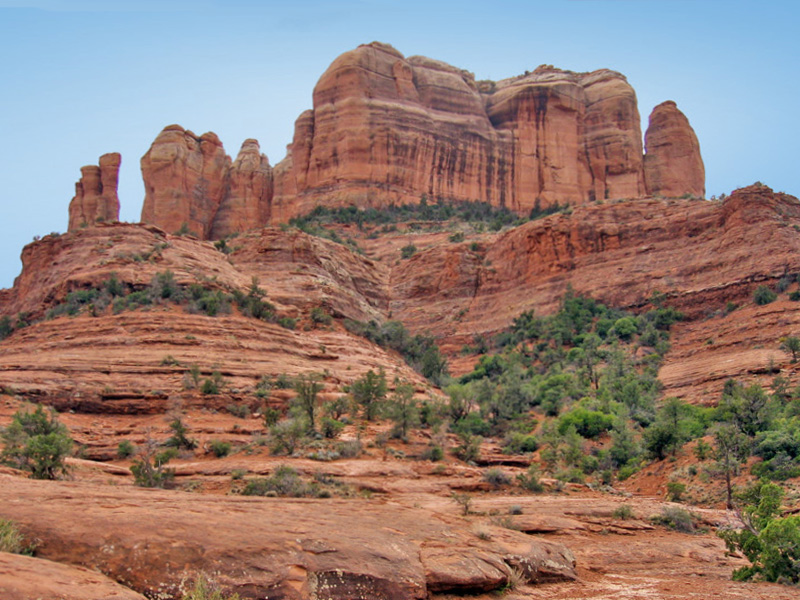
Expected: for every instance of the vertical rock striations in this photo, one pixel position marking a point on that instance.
(388, 129)
(672, 165)
(246, 203)
(185, 180)
(96, 198)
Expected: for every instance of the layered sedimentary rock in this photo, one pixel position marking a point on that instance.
(185, 180)
(273, 548)
(246, 202)
(190, 184)
(389, 129)
(672, 165)
(96, 193)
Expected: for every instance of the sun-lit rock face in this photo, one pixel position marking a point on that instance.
(672, 165)
(96, 198)
(246, 203)
(387, 129)
(184, 179)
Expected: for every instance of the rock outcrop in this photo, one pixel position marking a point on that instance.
(96, 198)
(25, 577)
(388, 129)
(272, 547)
(185, 180)
(673, 166)
(191, 185)
(246, 203)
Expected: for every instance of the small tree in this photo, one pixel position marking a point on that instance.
(286, 436)
(307, 386)
(770, 543)
(179, 438)
(369, 391)
(791, 344)
(150, 470)
(403, 409)
(732, 449)
(37, 442)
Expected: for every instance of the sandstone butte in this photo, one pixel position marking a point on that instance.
(385, 129)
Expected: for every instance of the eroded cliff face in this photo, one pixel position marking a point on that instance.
(185, 180)
(388, 129)
(698, 253)
(248, 193)
(96, 199)
(672, 165)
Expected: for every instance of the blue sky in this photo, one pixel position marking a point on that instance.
(85, 77)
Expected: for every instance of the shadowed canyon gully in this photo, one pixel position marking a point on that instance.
(630, 224)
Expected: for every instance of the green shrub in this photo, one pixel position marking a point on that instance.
(520, 443)
(675, 518)
(623, 512)
(125, 449)
(496, 477)
(370, 391)
(11, 540)
(763, 295)
(408, 251)
(284, 482)
(319, 316)
(675, 490)
(572, 475)
(433, 454)
(287, 323)
(36, 442)
(219, 448)
(238, 410)
(179, 438)
(457, 237)
(330, 428)
(469, 449)
(211, 385)
(464, 500)
(770, 543)
(588, 423)
(150, 470)
(472, 424)
(530, 479)
(286, 436)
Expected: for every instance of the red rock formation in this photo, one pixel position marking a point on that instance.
(96, 194)
(386, 129)
(25, 577)
(389, 129)
(672, 165)
(246, 204)
(273, 547)
(185, 180)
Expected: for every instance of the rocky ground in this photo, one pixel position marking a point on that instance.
(392, 528)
